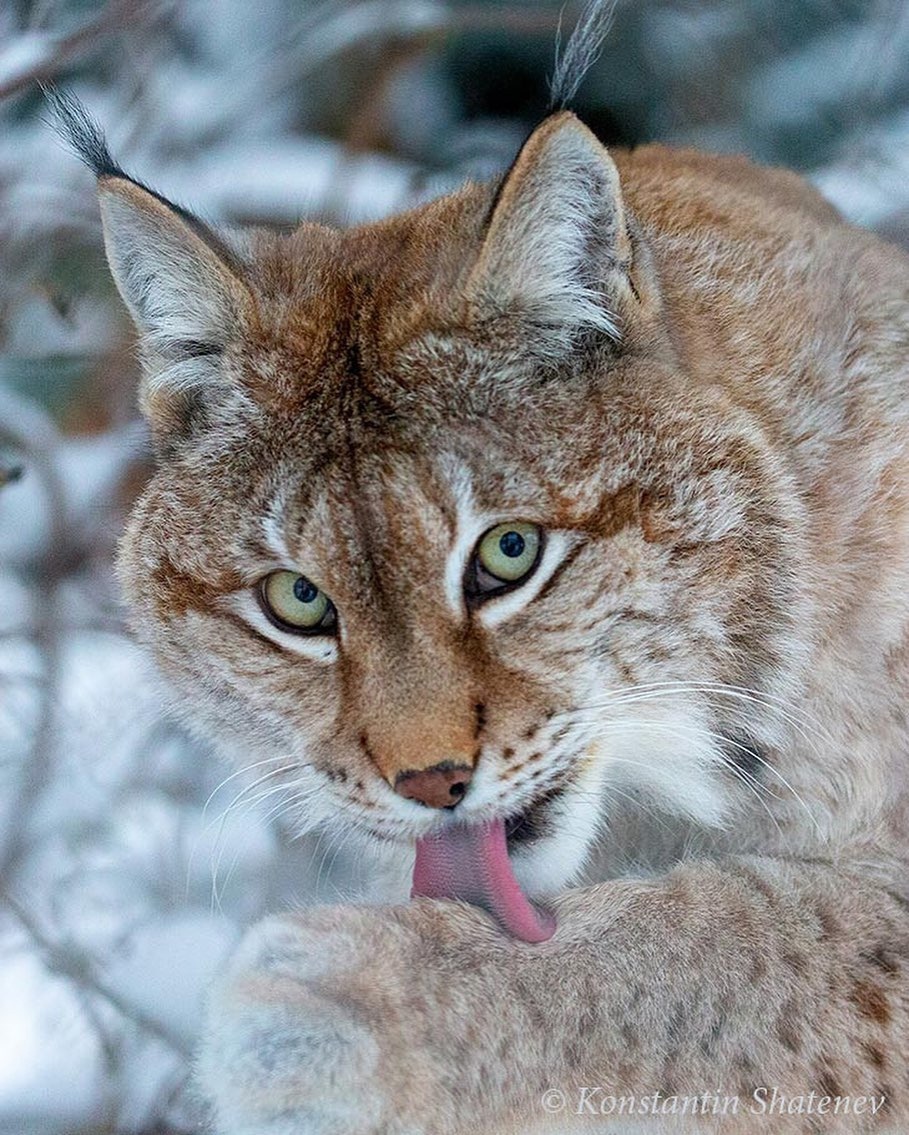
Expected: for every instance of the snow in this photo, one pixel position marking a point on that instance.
(51, 1061)
(162, 971)
(24, 54)
(286, 180)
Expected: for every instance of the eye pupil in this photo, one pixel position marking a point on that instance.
(305, 591)
(512, 544)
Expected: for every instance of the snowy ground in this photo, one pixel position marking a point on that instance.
(128, 865)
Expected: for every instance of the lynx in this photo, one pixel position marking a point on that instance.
(559, 527)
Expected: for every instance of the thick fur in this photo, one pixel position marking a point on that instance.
(699, 388)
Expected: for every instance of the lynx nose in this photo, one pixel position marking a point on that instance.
(441, 786)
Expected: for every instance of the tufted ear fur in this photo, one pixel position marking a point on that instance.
(557, 249)
(179, 279)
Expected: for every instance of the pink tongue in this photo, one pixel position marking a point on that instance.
(470, 862)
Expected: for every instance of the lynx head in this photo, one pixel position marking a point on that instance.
(442, 525)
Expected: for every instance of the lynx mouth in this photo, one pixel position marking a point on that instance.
(535, 822)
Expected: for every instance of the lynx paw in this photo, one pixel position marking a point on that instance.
(283, 1054)
(323, 1024)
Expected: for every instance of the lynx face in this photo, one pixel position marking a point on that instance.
(437, 494)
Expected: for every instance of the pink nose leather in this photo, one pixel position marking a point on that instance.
(441, 786)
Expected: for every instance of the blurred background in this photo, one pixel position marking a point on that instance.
(128, 865)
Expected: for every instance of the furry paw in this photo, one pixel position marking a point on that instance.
(283, 1054)
(326, 1023)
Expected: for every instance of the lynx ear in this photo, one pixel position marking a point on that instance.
(179, 280)
(557, 250)
(174, 275)
(179, 284)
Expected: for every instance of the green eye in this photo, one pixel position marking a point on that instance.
(294, 603)
(506, 555)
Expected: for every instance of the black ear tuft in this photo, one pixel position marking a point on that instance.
(75, 125)
(83, 135)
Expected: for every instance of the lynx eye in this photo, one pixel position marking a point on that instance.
(294, 603)
(505, 556)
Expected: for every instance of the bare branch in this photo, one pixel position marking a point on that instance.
(49, 54)
(68, 961)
